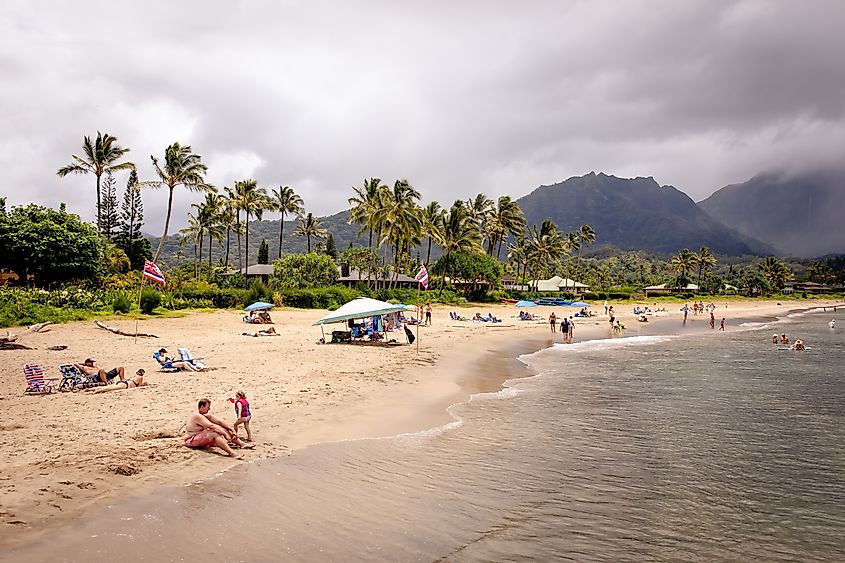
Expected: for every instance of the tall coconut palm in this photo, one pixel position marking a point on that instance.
(546, 245)
(101, 156)
(209, 214)
(684, 262)
(309, 226)
(193, 233)
(705, 260)
(460, 234)
(364, 205)
(399, 218)
(252, 200)
(479, 209)
(285, 201)
(587, 236)
(181, 168)
(777, 272)
(431, 218)
(503, 219)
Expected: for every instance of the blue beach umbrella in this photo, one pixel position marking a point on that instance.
(525, 303)
(578, 304)
(259, 306)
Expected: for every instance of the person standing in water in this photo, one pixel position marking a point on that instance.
(722, 324)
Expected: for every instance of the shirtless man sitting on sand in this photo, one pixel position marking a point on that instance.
(205, 430)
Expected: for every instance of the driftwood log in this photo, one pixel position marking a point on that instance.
(39, 327)
(122, 333)
(8, 343)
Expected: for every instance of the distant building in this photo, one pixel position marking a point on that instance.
(349, 277)
(811, 287)
(664, 289)
(557, 283)
(263, 271)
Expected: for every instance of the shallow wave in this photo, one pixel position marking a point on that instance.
(599, 344)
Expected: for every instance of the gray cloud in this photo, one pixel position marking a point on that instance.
(460, 98)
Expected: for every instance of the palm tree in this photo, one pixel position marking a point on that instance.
(546, 245)
(252, 200)
(504, 219)
(518, 253)
(285, 201)
(309, 227)
(587, 236)
(683, 262)
(431, 218)
(479, 209)
(101, 156)
(209, 214)
(364, 206)
(181, 168)
(460, 234)
(194, 233)
(777, 272)
(705, 260)
(399, 217)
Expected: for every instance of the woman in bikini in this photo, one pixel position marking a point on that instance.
(136, 381)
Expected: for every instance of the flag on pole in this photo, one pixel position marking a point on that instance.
(422, 276)
(152, 272)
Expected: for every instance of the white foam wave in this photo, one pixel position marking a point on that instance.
(599, 344)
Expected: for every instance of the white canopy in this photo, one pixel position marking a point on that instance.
(360, 308)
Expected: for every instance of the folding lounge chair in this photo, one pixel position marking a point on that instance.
(166, 367)
(74, 380)
(36, 383)
(186, 356)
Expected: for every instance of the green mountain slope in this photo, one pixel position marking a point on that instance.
(634, 214)
(800, 215)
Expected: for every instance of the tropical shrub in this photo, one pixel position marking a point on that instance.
(257, 292)
(150, 299)
(302, 271)
(121, 304)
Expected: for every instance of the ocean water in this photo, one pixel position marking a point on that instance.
(700, 447)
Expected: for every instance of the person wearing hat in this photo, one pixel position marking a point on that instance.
(89, 367)
(172, 363)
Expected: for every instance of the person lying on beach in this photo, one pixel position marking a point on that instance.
(168, 362)
(136, 381)
(205, 431)
(89, 367)
(268, 332)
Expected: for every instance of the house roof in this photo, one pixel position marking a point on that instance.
(355, 275)
(688, 287)
(555, 283)
(258, 270)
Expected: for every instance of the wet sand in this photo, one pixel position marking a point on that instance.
(67, 454)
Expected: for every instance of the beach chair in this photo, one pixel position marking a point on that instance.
(74, 380)
(186, 356)
(36, 383)
(165, 367)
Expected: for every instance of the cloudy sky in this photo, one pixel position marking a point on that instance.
(457, 97)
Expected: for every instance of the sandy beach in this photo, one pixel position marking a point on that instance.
(68, 453)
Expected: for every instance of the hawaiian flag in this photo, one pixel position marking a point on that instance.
(422, 276)
(152, 272)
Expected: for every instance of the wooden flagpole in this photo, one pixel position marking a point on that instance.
(138, 314)
(420, 314)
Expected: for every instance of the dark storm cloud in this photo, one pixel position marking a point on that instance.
(494, 97)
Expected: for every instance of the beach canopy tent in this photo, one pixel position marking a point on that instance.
(360, 308)
(259, 306)
(525, 303)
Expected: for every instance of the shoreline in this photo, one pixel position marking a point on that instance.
(376, 401)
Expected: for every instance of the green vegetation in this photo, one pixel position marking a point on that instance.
(74, 270)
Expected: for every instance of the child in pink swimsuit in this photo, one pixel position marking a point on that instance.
(243, 414)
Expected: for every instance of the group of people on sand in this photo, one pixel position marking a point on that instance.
(204, 430)
(258, 317)
(107, 378)
(567, 326)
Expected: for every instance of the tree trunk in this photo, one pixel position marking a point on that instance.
(428, 256)
(228, 236)
(99, 203)
(281, 230)
(238, 233)
(166, 222)
(246, 248)
(209, 250)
